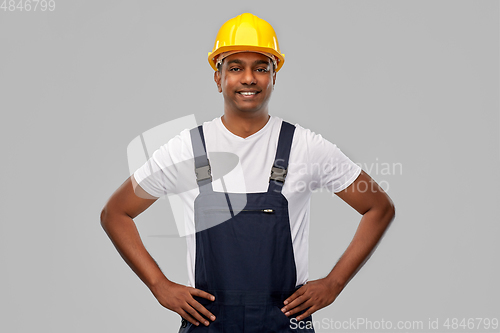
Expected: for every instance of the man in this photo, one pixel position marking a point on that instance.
(248, 267)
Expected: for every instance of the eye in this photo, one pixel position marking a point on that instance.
(234, 69)
(262, 70)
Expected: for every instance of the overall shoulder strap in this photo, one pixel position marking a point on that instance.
(280, 166)
(201, 162)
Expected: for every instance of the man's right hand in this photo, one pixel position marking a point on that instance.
(179, 298)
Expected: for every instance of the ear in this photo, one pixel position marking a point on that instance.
(217, 80)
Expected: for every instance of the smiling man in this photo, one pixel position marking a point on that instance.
(248, 91)
(246, 82)
(250, 272)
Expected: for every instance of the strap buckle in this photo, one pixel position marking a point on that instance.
(203, 173)
(278, 174)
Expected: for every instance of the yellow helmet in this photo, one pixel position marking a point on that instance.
(246, 32)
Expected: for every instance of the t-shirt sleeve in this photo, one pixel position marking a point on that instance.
(331, 168)
(158, 176)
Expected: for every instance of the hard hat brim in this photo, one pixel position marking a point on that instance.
(245, 48)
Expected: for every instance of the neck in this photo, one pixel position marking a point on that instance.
(246, 124)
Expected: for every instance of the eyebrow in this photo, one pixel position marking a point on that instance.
(256, 62)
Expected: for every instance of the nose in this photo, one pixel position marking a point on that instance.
(248, 77)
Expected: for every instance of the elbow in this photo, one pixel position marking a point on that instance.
(384, 211)
(389, 212)
(104, 217)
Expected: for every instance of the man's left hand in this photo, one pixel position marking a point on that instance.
(314, 295)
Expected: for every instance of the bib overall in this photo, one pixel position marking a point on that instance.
(247, 261)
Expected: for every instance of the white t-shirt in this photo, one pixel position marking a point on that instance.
(314, 163)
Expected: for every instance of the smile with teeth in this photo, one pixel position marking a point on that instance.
(247, 93)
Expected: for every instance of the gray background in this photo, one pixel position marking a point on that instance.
(410, 82)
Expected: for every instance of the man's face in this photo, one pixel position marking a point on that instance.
(246, 81)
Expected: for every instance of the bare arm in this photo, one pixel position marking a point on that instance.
(117, 220)
(365, 196)
(378, 212)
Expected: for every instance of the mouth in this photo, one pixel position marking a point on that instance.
(248, 94)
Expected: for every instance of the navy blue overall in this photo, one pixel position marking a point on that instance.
(247, 261)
